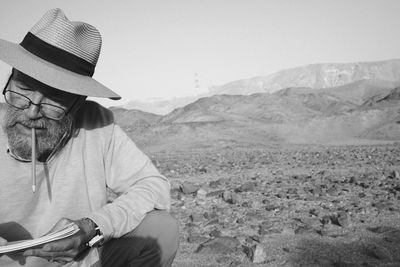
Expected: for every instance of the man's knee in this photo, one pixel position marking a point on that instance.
(158, 222)
(162, 227)
(153, 243)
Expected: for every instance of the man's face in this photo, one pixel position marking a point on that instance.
(19, 122)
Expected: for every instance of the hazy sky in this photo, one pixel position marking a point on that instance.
(152, 49)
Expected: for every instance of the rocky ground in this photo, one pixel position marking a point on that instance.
(305, 205)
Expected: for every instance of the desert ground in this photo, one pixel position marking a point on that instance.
(299, 168)
(286, 205)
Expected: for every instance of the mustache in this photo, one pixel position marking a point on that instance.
(40, 124)
(14, 118)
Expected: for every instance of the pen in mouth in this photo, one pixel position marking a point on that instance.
(33, 160)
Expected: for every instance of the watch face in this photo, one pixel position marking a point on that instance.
(96, 241)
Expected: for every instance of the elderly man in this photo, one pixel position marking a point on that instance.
(70, 153)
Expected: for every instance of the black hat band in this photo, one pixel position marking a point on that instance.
(57, 56)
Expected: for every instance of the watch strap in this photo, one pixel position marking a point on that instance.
(98, 238)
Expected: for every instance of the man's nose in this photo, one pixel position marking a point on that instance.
(33, 112)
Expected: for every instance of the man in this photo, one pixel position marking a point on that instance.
(81, 158)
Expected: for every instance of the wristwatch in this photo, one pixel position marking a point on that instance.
(98, 239)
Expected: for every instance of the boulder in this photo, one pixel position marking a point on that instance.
(219, 245)
(246, 187)
(189, 188)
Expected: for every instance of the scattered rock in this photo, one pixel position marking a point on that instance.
(227, 196)
(189, 188)
(248, 186)
(378, 252)
(217, 193)
(212, 221)
(201, 196)
(342, 218)
(235, 263)
(394, 175)
(215, 233)
(196, 217)
(333, 206)
(325, 219)
(260, 255)
(313, 212)
(287, 231)
(381, 229)
(256, 253)
(219, 245)
(214, 184)
(196, 238)
(231, 197)
(264, 228)
(249, 251)
(223, 259)
(353, 180)
(202, 169)
(236, 198)
(306, 229)
(210, 215)
(270, 207)
(240, 221)
(301, 177)
(333, 230)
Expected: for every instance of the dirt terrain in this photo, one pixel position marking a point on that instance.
(286, 205)
(255, 183)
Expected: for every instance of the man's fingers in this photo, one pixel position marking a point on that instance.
(50, 254)
(61, 245)
(64, 250)
(63, 260)
(59, 225)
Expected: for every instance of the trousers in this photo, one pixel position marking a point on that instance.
(153, 243)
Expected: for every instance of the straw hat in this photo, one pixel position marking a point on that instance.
(60, 53)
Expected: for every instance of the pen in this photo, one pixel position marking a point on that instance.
(33, 161)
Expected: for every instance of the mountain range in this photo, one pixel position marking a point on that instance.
(314, 76)
(291, 115)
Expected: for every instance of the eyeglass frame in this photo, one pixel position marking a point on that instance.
(39, 105)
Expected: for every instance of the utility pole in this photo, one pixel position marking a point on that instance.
(196, 82)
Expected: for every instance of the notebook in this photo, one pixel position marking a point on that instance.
(67, 231)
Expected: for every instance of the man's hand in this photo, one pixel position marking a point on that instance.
(67, 249)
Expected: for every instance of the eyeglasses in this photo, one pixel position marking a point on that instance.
(21, 101)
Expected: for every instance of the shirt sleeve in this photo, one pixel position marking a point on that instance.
(141, 188)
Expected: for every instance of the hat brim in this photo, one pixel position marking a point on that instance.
(52, 75)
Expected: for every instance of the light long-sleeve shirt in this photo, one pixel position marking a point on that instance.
(74, 183)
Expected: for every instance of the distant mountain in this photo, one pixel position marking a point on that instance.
(379, 100)
(289, 104)
(360, 91)
(370, 75)
(282, 107)
(161, 107)
(361, 110)
(314, 76)
(134, 120)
